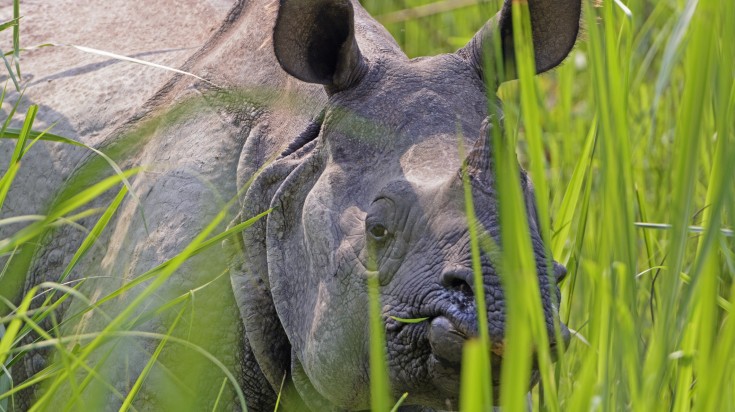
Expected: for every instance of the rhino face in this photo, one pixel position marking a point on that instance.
(379, 192)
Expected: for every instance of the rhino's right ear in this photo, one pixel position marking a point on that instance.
(314, 41)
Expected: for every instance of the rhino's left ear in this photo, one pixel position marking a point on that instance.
(314, 41)
(554, 23)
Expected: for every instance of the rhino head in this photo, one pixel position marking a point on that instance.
(374, 186)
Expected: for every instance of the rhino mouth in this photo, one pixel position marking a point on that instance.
(447, 340)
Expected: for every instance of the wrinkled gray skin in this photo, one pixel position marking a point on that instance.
(372, 185)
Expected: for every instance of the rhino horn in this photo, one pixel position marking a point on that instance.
(479, 162)
(314, 41)
(554, 23)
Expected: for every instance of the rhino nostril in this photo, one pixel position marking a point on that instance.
(458, 281)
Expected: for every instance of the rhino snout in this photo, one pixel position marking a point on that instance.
(449, 331)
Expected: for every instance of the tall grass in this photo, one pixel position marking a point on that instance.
(633, 139)
(631, 146)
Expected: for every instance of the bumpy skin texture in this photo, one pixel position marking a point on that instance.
(368, 182)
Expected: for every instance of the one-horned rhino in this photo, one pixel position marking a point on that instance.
(371, 185)
(374, 187)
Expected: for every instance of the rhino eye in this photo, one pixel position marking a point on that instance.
(378, 220)
(378, 232)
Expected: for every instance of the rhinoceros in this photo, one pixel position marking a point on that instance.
(356, 159)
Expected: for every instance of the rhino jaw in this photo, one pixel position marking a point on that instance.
(447, 340)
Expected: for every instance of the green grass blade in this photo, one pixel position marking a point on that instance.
(13, 110)
(399, 402)
(520, 286)
(120, 57)
(96, 231)
(149, 365)
(570, 202)
(222, 391)
(410, 321)
(38, 378)
(280, 392)
(127, 313)
(485, 376)
(54, 372)
(379, 383)
(6, 181)
(24, 134)
(687, 139)
(156, 271)
(8, 24)
(527, 307)
(471, 395)
(16, 36)
(707, 265)
(8, 339)
(68, 206)
(6, 380)
(12, 75)
(11, 133)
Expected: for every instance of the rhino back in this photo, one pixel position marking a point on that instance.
(87, 96)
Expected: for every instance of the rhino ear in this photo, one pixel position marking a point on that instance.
(314, 41)
(554, 23)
